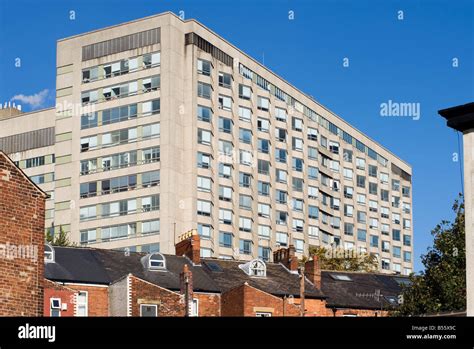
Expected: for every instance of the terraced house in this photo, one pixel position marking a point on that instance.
(161, 126)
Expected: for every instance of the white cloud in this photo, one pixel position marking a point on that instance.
(35, 101)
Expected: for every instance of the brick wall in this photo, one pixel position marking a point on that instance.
(209, 304)
(358, 312)
(21, 225)
(142, 292)
(55, 290)
(97, 299)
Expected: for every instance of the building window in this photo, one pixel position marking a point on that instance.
(225, 239)
(204, 90)
(225, 171)
(245, 92)
(48, 253)
(264, 231)
(245, 224)
(204, 231)
(148, 310)
(245, 202)
(194, 308)
(81, 303)
(299, 245)
(204, 67)
(263, 103)
(225, 125)
(245, 246)
(257, 268)
(263, 125)
(264, 253)
(225, 80)
(204, 137)
(204, 208)
(204, 113)
(203, 160)
(245, 136)
(225, 102)
(282, 239)
(264, 210)
(225, 216)
(55, 307)
(151, 227)
(245, 114)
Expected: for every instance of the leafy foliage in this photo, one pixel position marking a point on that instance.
(60, 239)
(344, 260)
(442, 286)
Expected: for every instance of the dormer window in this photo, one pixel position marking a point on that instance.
(48, 253)
(154, 261)
(255, 267)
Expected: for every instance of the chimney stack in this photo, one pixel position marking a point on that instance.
(312, 270)
(287, 257)
(186, 288)
(189, 245)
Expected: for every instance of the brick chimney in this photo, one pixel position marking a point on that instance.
(186, 287)
(287, 257)
(312, 270)
(189, 245)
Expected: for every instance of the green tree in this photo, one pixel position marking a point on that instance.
(60, 239)
(344, 260)
(441, 286)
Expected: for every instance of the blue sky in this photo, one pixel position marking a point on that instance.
(407, 60)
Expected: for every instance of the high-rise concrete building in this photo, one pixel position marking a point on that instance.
(162, 126)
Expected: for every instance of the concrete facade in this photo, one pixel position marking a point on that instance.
(269, 166)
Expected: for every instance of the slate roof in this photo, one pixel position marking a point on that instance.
(279, 280)
(359, 293)
(100, 266)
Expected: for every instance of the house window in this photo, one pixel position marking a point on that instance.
(48, 253)
(194, 308)
(282, 239)
(81, 303)
(156, 261)
(55, 307)
(280, 114)
(148, 310)
(257, 268)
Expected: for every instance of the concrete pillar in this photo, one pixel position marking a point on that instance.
(461, 118)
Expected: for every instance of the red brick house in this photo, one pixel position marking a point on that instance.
(115, 283)
(22, 209)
